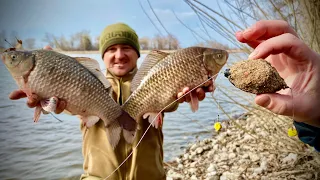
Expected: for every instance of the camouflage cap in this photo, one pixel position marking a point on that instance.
(118, 33)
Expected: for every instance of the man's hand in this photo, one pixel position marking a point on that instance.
(200, 92)
(299, 65)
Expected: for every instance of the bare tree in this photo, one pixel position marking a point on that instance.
(50, 39)
(85, 42)
(144, 43)
(29, 43)
(158, 42)
(96, 43)
(173, 42)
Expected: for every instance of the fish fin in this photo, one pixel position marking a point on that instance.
(67, 112)
(37, 113)
(154, 119)
(50, 104)
(92, 120)
(194, 103)
(153, 58)
(129, 126)
(129, 136)
(113, 131)
(93, 66)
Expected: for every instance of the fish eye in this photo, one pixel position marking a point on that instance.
(219, 55)
(13, 56)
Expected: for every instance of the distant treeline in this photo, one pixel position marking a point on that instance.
(82, 41)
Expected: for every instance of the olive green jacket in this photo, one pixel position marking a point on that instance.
(100, 160)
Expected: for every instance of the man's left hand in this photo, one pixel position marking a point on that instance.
(201, 92)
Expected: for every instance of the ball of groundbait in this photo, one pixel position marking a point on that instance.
(255, 76)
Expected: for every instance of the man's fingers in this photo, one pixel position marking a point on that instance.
(285, 43)
(266, 29)
(17, 94)
(185, 98)
(285, 105)
(181, 100)
(62, 104)
(200, 93)
(33, 101)
(47, 47)
(251, 43)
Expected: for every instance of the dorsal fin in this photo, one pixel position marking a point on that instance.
(93, 66)
(149, 61)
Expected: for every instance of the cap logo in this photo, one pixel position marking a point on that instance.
(120, 34)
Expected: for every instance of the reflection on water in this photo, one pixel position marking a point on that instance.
(51, 149)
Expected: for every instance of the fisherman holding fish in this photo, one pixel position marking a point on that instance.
(120, 50)
(119, 47)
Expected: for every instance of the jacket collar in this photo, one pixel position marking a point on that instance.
(128, 77)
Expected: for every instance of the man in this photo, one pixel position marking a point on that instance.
(299, 65)
(119, 48)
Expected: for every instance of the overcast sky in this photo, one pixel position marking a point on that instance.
(34, 18)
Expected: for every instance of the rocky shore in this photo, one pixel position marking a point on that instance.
(255, 146)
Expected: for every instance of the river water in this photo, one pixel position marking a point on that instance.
(51, 149)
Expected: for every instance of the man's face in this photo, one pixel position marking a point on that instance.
(120, 59)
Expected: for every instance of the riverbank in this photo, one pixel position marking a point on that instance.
(254, 147)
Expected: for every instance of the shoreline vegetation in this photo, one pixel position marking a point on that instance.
(141, 51)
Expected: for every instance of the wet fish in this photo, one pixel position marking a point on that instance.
(162, 75)
(78, 81)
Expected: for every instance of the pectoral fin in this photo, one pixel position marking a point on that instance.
(37, 113)
(89, 121)
(154, 119)
(194, 103)
(49, 105)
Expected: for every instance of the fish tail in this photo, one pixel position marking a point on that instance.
(123, 123)
(113, 131)
(129, 126)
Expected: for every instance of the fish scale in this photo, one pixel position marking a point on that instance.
(159, 87)
(47, 85)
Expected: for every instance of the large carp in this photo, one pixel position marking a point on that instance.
(162, 75)
(78, 81)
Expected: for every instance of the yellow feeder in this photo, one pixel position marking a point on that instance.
(217, 126)
(292, 132)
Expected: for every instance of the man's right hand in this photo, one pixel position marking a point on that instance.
(299, 65)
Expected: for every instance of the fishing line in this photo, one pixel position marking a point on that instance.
(8, 43)
(56, 117)
(292, 103)
(292, 108)
(134, 148)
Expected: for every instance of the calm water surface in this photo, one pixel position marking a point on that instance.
(51, 149)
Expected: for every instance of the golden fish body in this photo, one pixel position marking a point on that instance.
(78, 81)
(159, 86)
